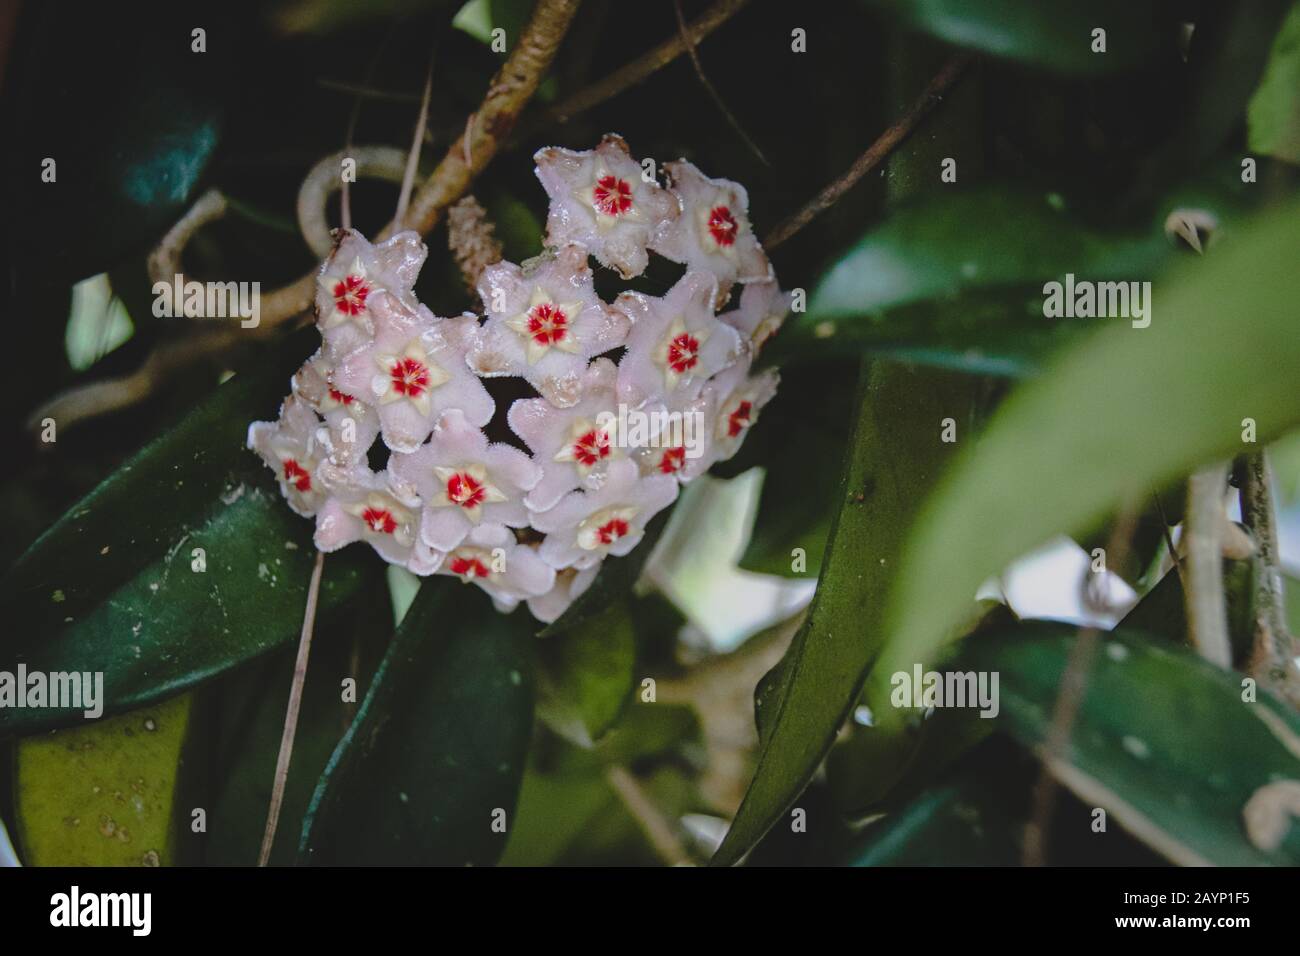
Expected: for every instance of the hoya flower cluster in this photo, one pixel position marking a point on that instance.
(531, 520)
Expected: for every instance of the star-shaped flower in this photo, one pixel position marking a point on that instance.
(680, 441)
(371, 508)
(508, 571)
(601, 200)
(351, 424)
(713, 233)
(676, 342)
(465, 482)
(353, 275)
(737, 398)
(290, 448)
(587, 525)
(573, 446)
(413, 371)
(762, 310)
(545, 322)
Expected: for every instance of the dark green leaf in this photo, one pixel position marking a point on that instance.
(895, 453)
(585, 676)
(1163, 741)
(436, 753)
(111, 587)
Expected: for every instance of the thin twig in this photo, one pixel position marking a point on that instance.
(1272, 658)
(1169, 540)
(413, 159)
(709, 88)
(1070, 695)
(387, 163)
(1207, 606)
(631, 73)
(876, 153)
(667, 845)
(291, 714)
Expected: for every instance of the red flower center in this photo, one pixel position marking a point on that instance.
(683, 352)
(379, 520)
(465, 490)
(468, 567)
(591, 447)
(297, 475)
(547, 324)
(740, 419)
(611, 531)
(722, 226)
(350, 295)
(343, 398)
(612, 196)
(672, 460)
(410, 377)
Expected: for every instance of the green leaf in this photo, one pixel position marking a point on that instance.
(614, 581)
(1056, 37)
(935, 284)
(1123, 413)
(112, 586)
(1273, 117)
(895, 454)
(1162, 740)
(103, 794)
(437, 751)
(585, 676)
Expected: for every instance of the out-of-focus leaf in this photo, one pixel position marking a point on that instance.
(113, 587)
(585, 676)
(103, 794)
(1273, 117)
(1162, 740)
(429, 771)
(1057, 37)
(1125, 411)
(895, 453)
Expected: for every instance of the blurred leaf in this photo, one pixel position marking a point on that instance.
(437, 751)
(894, 455)
(1274, 112)
(614, 581)
(103, 794)
(1123, 412)
(1162, 740)
(110, 587)
(1056, 37)
(1162, 612)
(585, 676)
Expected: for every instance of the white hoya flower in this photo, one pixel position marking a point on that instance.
(737, 399)
(676, 342)
(508, 571)
(351, 424)
(373, 509)
(290, 448)
(353, 275)
(713, 233)
(465, 482)
(762, 311)
(545, 322)
(600, 200)
(413, 371)
(585, 526)
(570, 584)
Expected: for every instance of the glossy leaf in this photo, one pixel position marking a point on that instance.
(104, 793)
(1274, 112)
(1124, 412)
(429, 771)
(1162, 740)
(895, 453)
(114, 585)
